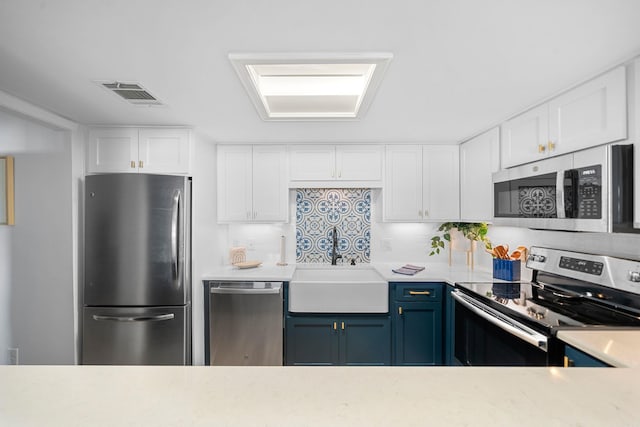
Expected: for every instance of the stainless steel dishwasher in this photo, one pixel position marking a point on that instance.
(245, 325)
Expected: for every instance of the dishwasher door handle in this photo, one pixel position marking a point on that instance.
(273, 289)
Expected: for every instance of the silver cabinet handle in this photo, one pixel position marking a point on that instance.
(158, 318)
(503, 322)
(175, 235)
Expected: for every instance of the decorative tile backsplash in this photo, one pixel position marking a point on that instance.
(318, 210)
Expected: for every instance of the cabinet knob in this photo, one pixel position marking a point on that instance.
(420, 213)
(541, 148)
(342, 326)
(426, 213)
(141, 164)
(400, 311)
(551, 145)
(335, 326)
(133, 164)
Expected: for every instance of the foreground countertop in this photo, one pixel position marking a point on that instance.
(317, 396)
(432, 273)
(620, 348)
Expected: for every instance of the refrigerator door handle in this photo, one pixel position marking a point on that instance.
(174, 236)
(158, 318)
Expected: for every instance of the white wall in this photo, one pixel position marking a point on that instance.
(36, 289)
(205, 246)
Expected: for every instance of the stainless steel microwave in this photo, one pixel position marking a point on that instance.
(590, 190)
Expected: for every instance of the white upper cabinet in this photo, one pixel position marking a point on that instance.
(402, 192)
(112, 150)
(359, 163)
(312, 162)
(146, 150)
(421, 183)
(479, 159)
(335, 165)
(591, 114)
(524, 138)
(252, 185)
(440, 182)
(163, 151)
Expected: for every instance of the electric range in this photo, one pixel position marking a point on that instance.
(568, 290)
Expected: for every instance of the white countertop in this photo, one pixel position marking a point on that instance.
(432, 273)
(620, 348)
(316, 396)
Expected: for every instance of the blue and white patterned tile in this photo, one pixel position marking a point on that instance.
(319, 210)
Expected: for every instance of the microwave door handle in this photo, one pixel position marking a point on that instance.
(570, 198)
(560, 194)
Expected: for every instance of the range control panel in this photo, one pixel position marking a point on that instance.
(581, 265)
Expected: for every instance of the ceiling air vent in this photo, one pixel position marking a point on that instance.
(132, 92)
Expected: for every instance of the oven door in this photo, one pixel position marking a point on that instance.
(486, 337)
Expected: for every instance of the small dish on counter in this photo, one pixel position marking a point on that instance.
(247, 264)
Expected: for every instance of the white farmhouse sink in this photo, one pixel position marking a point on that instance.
(338, 289)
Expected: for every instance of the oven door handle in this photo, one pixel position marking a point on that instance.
(503, 322)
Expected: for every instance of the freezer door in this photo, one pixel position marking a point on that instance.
(136, 336)
(137, 240)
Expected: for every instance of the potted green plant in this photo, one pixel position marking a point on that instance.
(474, 231)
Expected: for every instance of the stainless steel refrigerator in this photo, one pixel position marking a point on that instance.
(137, 281)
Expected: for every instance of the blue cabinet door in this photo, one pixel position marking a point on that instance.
(449, 327)
(576, 358)
(418, 333)
(345, 340)
(312, 340)
(365, 341)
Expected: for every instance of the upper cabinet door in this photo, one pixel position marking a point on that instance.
(270, 191)
(112, 150)
(359, 163)
(441, 182)
(164, 151)
(234, 183)
(479, 159)
(312, 163)
(591, 114)
(525, 137)
(402, 192)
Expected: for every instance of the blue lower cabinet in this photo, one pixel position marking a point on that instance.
(576, 358)
(365, 341)
(418, 333)
(344, 340)
(417, 318)
(449, 327)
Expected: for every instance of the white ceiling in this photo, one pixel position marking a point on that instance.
(459, 66)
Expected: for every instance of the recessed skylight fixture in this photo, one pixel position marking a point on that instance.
(311, 86)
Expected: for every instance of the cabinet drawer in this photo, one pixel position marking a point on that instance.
(418, 292)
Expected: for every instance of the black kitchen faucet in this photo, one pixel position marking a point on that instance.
(334, 248)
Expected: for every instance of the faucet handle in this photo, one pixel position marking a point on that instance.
(353, 261)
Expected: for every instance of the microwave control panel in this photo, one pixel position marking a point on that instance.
(589, 197)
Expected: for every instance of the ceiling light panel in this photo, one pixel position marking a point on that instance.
(311, 87)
